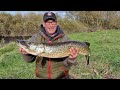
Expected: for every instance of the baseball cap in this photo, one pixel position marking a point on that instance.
(49, 15)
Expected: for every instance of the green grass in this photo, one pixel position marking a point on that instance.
(105, 55)
(104, 60)
(12, 65)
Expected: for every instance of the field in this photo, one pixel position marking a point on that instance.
(104, 60)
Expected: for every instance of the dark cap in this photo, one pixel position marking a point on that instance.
(49, 15)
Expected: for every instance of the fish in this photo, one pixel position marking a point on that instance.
(55, 50)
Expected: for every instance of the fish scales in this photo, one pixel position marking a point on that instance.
(56, 50)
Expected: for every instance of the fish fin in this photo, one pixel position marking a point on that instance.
(87, 43)
(87, 58)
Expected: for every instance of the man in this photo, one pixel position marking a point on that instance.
(50, 68)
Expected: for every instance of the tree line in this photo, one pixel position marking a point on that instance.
(73, 21)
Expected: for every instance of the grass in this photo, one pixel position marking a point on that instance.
(12, 65)
(105, 51)
(104, 60)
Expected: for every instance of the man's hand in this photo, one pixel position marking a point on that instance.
(23, 51)
(74, 52)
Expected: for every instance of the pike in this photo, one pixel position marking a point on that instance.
(56, 50)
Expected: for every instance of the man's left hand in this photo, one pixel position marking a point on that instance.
(73, 53)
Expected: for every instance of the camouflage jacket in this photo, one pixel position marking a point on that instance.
(49, 68)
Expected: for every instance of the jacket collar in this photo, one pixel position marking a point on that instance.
(58, 34)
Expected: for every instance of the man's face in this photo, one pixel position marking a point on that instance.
(50, 26)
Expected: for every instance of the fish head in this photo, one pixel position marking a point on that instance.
(31, 47)
(23, 44)
(26, 44)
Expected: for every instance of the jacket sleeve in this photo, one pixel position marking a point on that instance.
(66, 38)
(28, 57)
(67, 62)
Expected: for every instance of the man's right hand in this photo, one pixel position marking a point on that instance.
(23, 51)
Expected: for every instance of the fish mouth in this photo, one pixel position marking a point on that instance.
(17, 42)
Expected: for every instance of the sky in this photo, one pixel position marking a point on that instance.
(61, 13)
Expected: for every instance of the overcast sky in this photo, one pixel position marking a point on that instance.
(62, 13)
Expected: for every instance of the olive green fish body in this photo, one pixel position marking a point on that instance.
(56, 50)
